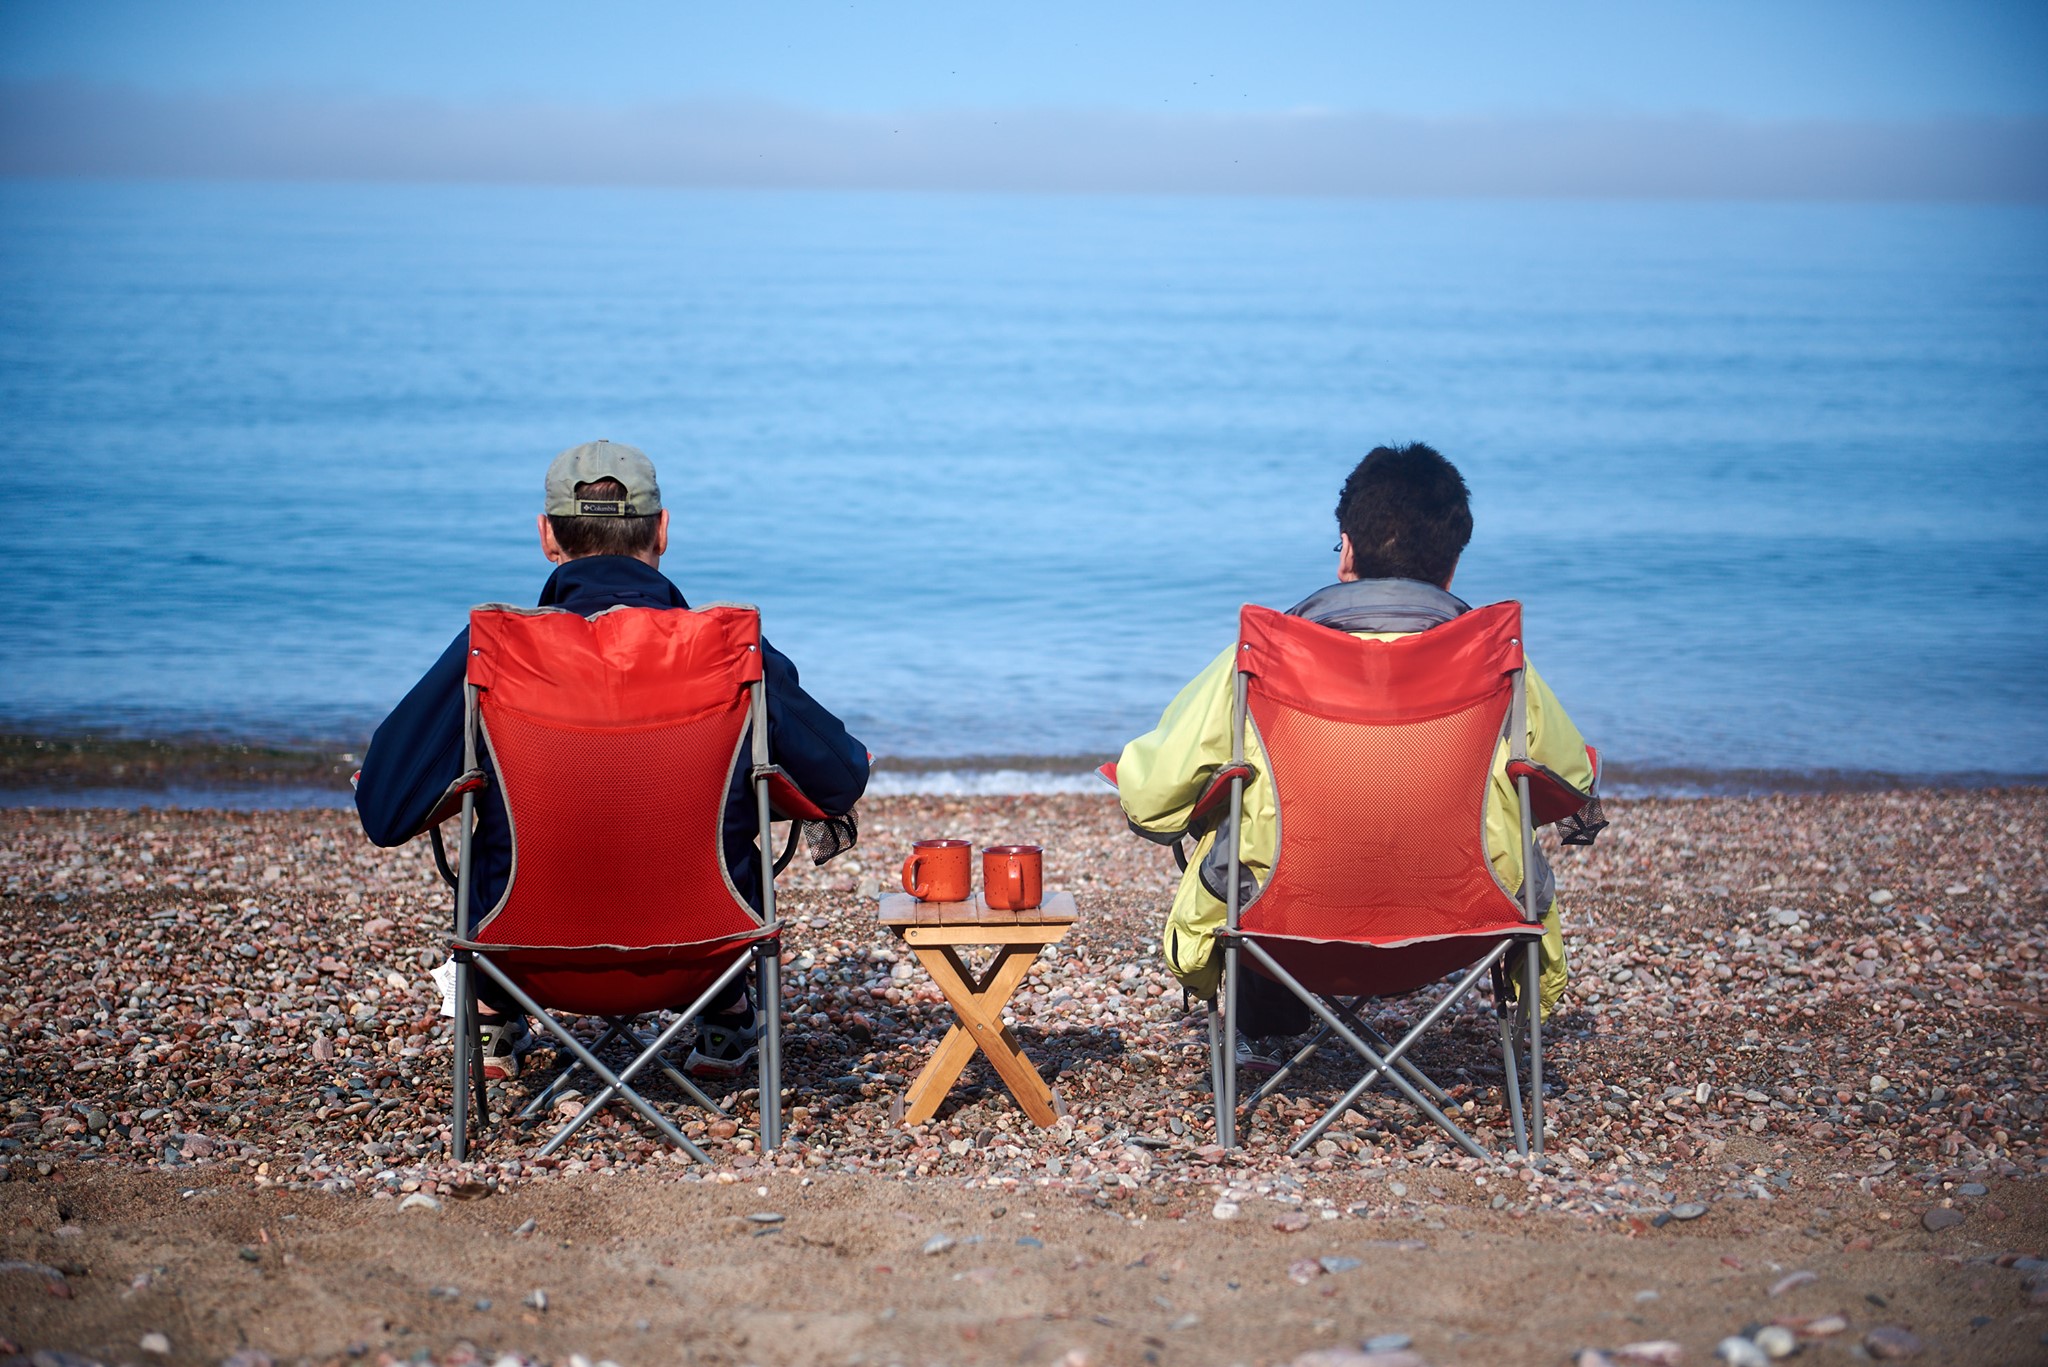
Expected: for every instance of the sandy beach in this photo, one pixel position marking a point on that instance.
(1818, 1018)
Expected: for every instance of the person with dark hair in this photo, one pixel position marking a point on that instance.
(603, 527)
(1403, 518)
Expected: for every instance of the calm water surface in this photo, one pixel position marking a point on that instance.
(1770, 479)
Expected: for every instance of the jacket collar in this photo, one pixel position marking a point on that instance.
(603, 581)
(1380, 605)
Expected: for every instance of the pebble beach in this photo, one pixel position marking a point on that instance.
(1804, 1035)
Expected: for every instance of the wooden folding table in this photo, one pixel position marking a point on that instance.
(936, 932)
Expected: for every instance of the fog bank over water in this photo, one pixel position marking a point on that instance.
(72, 128)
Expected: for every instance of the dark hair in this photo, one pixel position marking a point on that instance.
(581, 536)
(1407, 512)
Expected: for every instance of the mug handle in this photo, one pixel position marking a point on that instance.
(1014, 871)
(911, 884)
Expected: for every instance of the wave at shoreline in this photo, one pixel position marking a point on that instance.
(85, 771)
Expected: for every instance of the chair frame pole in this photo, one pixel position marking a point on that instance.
(468, 1050)
(1226, 1096)
(768, 953)
(1391, 1057)
(1532, 989)
(1363, 1050)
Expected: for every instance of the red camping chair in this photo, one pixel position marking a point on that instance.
(1381, 752)
(612, 739)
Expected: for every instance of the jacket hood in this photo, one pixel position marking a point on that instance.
(1380, 605)
(603, 581)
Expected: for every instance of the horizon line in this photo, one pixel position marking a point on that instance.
(76, 130)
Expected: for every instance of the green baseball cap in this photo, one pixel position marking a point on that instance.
(596, 460)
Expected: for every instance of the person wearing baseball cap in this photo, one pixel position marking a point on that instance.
(603, 527)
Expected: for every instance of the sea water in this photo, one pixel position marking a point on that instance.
(1768, 478)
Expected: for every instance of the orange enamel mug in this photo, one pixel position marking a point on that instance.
(1012, 876)
(939, 871)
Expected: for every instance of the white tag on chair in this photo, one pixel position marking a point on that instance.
(444, 983)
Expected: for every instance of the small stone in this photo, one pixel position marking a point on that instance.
(154, 1342)
(1891, 1342)
(419, 1200)
(1973, 1189)
(525, 1228)
(1792, 1281)
(1342, 1264)
(764, 1217)
(1824, 1326)
(1879, 1083)
(1592, 1357)
(536, 1299)
(936, 1245)
(1703, 1093)
(1302, 1271)
(1881, 897)
(481, 1303)
(1224, 1210)
(1738, 1351)
(1185, 1322)
(1941, 1217)
(1026, 1241)
(1291, 1222)
(1688, 1210)
(1777, 1341)
(1397, 1188)
(249, 1254)
(1386, 1343)
(1662, 1352)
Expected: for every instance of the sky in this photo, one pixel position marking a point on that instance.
(1841, 97)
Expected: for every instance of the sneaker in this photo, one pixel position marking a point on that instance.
(504, 1038)
(1250, 1060)
(723, 1048)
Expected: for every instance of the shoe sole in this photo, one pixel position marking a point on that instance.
(700, 1066)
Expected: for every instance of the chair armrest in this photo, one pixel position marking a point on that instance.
(1209, 806)
(1552, 799)
(450, 801)
(788, 802)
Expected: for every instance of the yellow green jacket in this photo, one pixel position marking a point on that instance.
(1161, 774)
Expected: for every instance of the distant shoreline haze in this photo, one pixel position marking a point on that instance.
(68, 128)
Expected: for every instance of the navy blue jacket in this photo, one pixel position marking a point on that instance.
(417, 752)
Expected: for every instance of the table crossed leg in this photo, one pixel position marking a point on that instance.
(978, 1001)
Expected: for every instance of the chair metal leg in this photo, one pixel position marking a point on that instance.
(1380, 1042)
(547, 1094)
(683, 1080)
(464, 1032)
(615, 1084)
(1508, 1050)
(1535, 997)
(1301, 1056)
(1393, 1056)
(769, 1060)
(1365, 1051)
(1226, 1095)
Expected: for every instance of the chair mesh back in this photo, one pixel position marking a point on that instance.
(613, 739)
(1380, 755)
